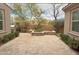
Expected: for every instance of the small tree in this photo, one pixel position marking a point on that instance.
(36, 12)
(56, 12)
(22, 9)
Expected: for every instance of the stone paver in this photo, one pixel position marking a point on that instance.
(27, 44)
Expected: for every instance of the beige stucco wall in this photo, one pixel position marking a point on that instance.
(67, 22)
(6, 25)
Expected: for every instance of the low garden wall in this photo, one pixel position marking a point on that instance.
(49, 32)
(43, 33)
(37, 33)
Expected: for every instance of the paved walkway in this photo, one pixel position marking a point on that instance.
(27, 44)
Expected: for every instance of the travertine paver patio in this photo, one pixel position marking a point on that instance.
(27, 44)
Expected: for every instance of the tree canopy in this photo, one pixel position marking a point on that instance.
(23, 10)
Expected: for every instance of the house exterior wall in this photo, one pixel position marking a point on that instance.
(67, 22)
(6, 23)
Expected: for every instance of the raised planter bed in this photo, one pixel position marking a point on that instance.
(49, 32)
(37, 33)
(43, 33)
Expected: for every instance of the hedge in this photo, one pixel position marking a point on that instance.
(9, 37)
(71, 42)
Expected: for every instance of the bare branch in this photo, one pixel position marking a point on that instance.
(55, 10)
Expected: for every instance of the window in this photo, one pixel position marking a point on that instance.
(75, 21)
(1, 19)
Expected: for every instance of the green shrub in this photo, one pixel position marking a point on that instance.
(16, 34)
(65, 38)
(71, 42)
(9, 37)
(38, 30)
(1, 40)
(74, 44)
(5, 39)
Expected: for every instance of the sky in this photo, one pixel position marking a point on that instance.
(47, 7)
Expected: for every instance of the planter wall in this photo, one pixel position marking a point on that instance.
(37, 33)
(49, 33)
(43, 33)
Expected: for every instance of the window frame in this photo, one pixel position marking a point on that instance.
(2, 20)
(71, 31)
